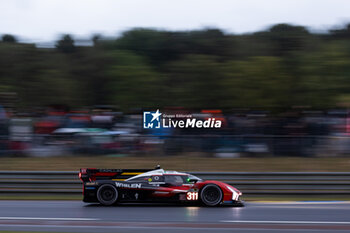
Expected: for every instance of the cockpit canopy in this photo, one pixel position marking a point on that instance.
(159, 176)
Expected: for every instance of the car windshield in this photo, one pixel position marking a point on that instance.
(192, 177)
(178, 180)
(175, 180)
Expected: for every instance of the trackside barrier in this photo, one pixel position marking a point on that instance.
(252, 183)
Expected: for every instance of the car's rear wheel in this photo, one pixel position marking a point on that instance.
(211, 195)
(107, 194)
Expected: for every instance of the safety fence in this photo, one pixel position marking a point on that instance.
(252, 183)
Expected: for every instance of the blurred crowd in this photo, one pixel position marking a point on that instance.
(102, 130)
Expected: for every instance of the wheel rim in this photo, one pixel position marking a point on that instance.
(211, 195)
(107, 194)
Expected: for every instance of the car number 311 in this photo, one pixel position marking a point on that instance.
(192, 196)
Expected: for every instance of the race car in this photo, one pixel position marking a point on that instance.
(117, 186)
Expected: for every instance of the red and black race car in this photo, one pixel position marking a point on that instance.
(112, 186)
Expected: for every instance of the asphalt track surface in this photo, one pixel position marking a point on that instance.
(76, 216)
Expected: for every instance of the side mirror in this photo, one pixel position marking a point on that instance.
(192, 180)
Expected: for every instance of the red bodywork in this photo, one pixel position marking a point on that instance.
(173, 190)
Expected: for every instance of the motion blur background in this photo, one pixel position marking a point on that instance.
(76, 76)
(277, 75)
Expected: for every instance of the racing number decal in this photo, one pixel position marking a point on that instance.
(192, 196)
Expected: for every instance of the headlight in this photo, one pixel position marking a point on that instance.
(235, 195)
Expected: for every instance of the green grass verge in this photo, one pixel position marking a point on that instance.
(187, 162)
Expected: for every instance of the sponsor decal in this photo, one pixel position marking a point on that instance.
(125, 185)
(182, 197)
(91, 183)
(158, 120)
(110, 170)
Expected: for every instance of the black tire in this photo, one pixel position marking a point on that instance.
(211, 195)
(107, 194)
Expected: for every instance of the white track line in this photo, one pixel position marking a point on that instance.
(285, 222)
(300, 202)
(53, 219)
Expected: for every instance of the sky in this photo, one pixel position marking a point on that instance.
(46, 20)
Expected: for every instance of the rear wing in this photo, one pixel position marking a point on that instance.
(93, 174)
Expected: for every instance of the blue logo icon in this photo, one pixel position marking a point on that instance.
(151, 120)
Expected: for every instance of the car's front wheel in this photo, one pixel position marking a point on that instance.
(107, 194)
(211, 195)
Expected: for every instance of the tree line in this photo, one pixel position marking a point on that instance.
(281, 67)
